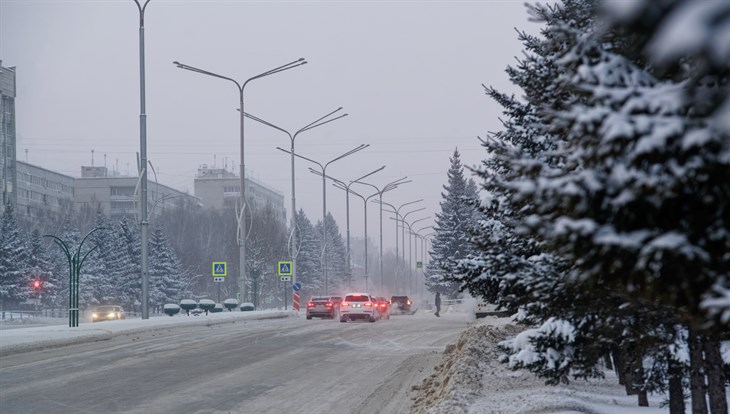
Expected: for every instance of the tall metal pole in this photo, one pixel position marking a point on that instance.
(346, 187)
(323, 167)
(241, 239)
(143, 166)
(390, 186)
(319, 122)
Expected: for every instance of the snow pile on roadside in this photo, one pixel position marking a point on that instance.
(458, 380)
(470, 379)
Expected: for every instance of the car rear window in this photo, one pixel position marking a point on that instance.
(320, 299)
(399, 298)
(357, 298)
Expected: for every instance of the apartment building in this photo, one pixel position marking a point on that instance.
(8, 173)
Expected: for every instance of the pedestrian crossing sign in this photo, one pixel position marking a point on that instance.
(220, 269)
(419, 264)
(285, 269)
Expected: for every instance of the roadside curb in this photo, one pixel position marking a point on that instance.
(20, 340)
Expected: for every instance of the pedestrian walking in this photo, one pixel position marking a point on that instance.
(438, 304)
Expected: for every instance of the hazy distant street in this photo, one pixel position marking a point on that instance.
(273, 366)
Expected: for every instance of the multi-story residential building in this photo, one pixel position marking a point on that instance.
(218, 188)
(116, 196)
(40, 190)
(8, 173)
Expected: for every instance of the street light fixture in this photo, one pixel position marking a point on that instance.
(319, 122)
(365, 204)
(346, 187)
(242, 290)
(324, 200)
(380, 191)
(144, 246)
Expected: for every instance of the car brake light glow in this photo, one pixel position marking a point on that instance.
(408, 302)
(329, 304)
(368, 304)
(310, 305)
(345, 304)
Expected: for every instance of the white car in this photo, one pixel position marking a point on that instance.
(358, 306)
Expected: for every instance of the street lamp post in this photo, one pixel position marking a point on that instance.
(365, 204)
(410, 259)
(396, 211)
(242, 290)
(324, 200)
(319, 122)
(346, 187)
(380, 191)
(143, 167)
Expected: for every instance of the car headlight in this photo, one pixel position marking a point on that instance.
(111, 315)
(94, 315)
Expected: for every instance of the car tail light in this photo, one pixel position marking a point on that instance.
(329, 304)
(344, 304)
(310, 305)
(408, 302)
(368, 304)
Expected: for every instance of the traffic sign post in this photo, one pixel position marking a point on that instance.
(220, 269)
(285, 269)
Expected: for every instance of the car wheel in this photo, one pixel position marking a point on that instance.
(309, 317)
(343, 320)
(372, 319)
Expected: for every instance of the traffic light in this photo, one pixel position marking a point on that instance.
(37, 285)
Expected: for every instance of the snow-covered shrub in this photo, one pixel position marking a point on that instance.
(171, 309)
(188, 305)
(547, 351)
(247, 306)
(206, 305)
(217, 308)
(230, 304)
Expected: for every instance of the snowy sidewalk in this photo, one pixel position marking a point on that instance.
(33, 338)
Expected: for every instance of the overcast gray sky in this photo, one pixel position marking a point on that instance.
(409, 74)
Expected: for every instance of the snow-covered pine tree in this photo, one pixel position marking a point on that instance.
(309, 269)
(127, 267)
(39, 266)
(14, 283)
(451, 242)
(165, 270)
(639, 196)
(336, 254)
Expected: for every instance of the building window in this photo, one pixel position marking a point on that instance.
(231, 190)
(122, 191)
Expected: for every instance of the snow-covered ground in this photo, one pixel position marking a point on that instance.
(470, 379)
(53, 332)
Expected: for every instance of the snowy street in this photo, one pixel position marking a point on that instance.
(253, 366)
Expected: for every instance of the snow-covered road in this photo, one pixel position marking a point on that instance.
(288, 365)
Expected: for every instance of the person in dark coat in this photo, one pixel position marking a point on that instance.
(438, 303)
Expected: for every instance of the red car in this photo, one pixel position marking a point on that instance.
(383, 307)
(322, 307)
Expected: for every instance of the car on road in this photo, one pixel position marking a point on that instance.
(322, 307)
(383, 307)
(358, 305)
(400, 304)
(107, 313)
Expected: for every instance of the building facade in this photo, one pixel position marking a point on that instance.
(220, 189)
(8, 173)
(116, 196)
(40, 190)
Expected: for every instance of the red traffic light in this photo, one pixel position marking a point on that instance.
(36, 284)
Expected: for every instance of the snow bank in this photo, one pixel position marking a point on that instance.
(470, 379)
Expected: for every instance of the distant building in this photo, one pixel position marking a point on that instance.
(40, 190)
(116, 196)
(219, 189)
(8, 173)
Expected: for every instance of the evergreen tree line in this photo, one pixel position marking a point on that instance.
(183, 243)
(605, 221)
